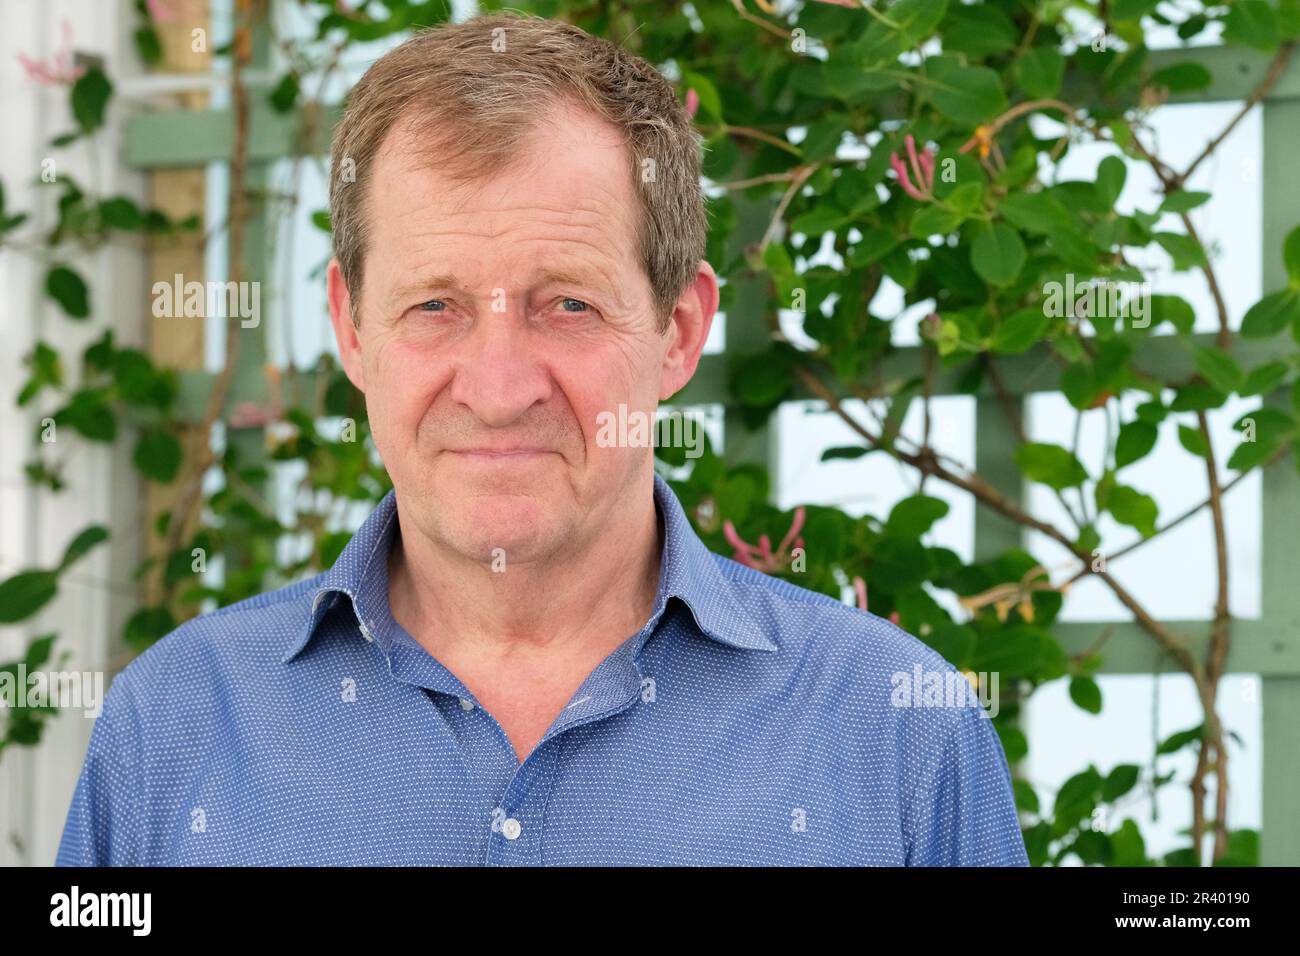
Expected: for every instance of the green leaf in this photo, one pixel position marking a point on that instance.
(1174, 310)
(824, 137)
(1074, 248)
(1026, 799)
(1019, 331)
(818, 220)
(760, 382)
(1040, 70)
(1271, 314)
(1264, 378)
(1251, 23)
(1111, 174)
(1086, 693)
(148, 45)
(89, 415)
(978, 31)
(1218, 367)
(24, 594)
(1135, 441)
(998, 254)
(1052, 465)
(1019, 650)
(966, 198)
(1132, 9)
(710, 101)
(69, 290)
(1131, 507)
(120, 213)
(1291, 256)
(1183, 249)
(912, 517)
(1076, 798)
(1243, 849)
(1176, 742)
(147, 625)
(82, 543)
(1196, 397)
(846, 452)
(1288, 19)
(874, 245)
(1120, 781)
(90, 98)
(1127, 846)
(285, 95)
(1037, 212)
(1183, 77)
(912, 22)
(954, 642)
(967, 95)
(1183, 201)
(158, 454)
(932, 220)
(1193, 439)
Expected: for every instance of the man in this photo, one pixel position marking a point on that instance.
(525, 655)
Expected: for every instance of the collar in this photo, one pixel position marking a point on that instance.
(689, 572)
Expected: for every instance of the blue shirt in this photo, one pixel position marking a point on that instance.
(749, 722)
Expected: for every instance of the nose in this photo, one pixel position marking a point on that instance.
(500, 373)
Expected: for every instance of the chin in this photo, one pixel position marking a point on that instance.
(521, 523)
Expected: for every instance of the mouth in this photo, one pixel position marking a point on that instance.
(500, 454)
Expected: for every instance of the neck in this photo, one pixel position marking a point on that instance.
(586, 600)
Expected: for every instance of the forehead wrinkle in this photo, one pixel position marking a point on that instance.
(597, 249)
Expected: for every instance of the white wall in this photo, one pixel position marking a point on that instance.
(36, 784)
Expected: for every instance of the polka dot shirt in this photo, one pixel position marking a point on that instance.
(749, 722)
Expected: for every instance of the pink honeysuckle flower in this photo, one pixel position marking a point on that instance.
(860, 589)
(922, 167)
(260, 414)
(162, 10)
(932, 326)
(251, 415)
(692, 102)
(60, 69)
(761, 557)
(167, 11)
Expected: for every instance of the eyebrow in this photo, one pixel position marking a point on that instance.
(545, 277)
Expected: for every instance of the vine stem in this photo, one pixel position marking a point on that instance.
(241, 55)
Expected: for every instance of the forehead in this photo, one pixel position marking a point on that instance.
(567, 203)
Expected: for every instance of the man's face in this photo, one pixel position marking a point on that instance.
(498, 320)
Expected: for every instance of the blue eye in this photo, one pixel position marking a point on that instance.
(579, 301)
(424, 306)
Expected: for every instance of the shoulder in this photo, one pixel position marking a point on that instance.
(813, 626)
(860, 670)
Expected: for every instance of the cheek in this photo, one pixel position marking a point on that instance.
(599, 380)
(402, 383)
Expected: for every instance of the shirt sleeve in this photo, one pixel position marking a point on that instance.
(966, 813)
(101, 827)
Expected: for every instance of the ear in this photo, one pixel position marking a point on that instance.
(688, 330)
(344, 330)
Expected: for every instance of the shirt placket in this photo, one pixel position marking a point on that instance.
(518, 823)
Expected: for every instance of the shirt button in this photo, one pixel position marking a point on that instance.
(466, 704)
(511, 829)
